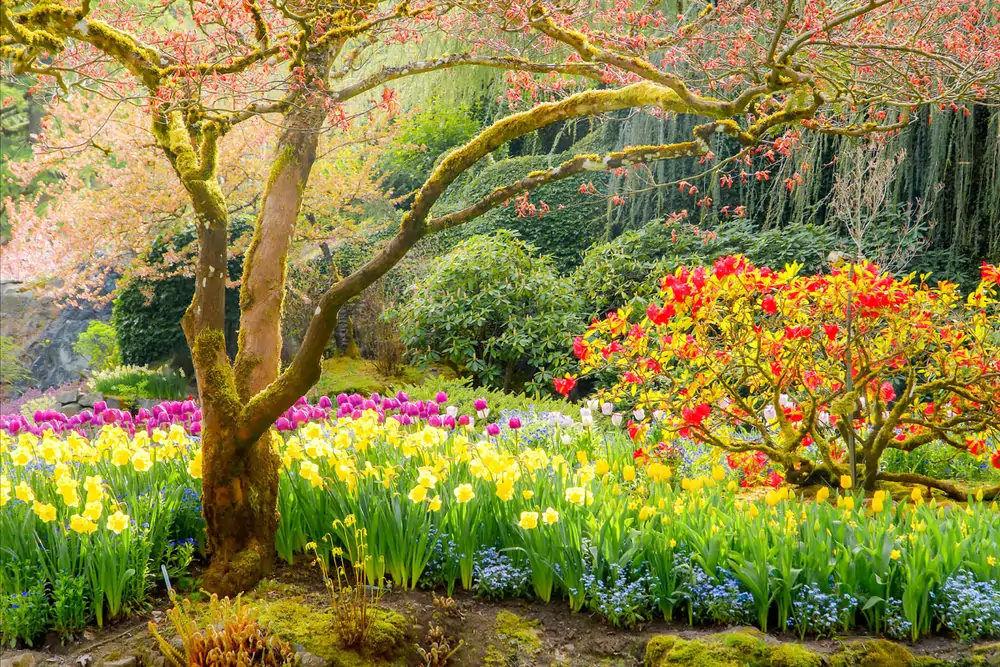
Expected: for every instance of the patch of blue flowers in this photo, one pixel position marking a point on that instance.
(969, 608)
(820, 613)
(626, 599)
(444, 555)
(896, 625)
(722, 599)
(496, 576)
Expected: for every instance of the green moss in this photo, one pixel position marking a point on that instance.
(793, 655)
(299, 620)
(873, 653)
(516, 641)
(746, 648)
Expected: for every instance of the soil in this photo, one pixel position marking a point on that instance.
(546, 634)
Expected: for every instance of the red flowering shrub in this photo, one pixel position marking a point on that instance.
(749, 359)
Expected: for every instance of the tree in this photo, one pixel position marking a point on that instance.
(759, 75)
(748, 359)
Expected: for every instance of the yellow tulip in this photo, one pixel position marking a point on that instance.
(895, 554)
(846, 482)
(581, 457)
(822, 495)
(718, 473)
(601, 467)
(628, 473)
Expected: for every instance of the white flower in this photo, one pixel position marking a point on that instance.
(639, 414)
(824, 418)
(587, 420)
(769, 413)
(658, 415)
(452, 411)
(784, 401)
(607, 409)
(566, 439)
(616, 419)
(585, 412)
(566, 420)
(592, 404)
(483, 414)
(725, 403)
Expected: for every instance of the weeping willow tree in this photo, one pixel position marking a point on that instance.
(951, 168)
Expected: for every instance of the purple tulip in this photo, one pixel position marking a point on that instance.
(195, 428)
(434, 421)
(402, 397)
(317, 413)
(432, 409)
(325, 402)
(282, 424)
(464, 420)
(376, 397)
(342, 399)
(343, 411)
(356, 399)
(405, 420)
(187, 406)
(441, 397)
(143, 414)
(493, 430)
(14, 428)
(38, 417)
(412, 410)
(514, 423)
(368, 404)
(356, 414)
(480, 404)
(449, 422)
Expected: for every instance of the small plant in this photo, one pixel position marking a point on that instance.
(440, 650)
(13, 372)
(721, 599)
(232, 638)
(353, 598)
(69, 606)
(447, 606)
(133, 382)
(99, 344)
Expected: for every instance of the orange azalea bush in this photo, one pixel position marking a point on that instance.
(746, 358)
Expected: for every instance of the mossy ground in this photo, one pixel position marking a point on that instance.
(347, 375)
(516, 641)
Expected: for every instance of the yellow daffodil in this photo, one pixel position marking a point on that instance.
(194, 465)
(418, 493)
(118, 522)
(435, 504)
(576, 495)
(45, 512)
(894, 554)
(550, 516)
(529, 520)
(93, 510)
(24, 493)
(141, 460)
(527, 494)
(82, 525)
(505, 489)
(464, 493)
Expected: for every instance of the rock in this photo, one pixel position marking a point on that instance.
(311, 660)
(127, 661)
(20, 660)
(70, 409)
(113, 402)
(84, 660)
(68, 396)
(158, 661)
(88, 400)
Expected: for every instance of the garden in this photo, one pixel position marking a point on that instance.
(429, 334)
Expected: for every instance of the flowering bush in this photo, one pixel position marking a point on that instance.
(750, 359)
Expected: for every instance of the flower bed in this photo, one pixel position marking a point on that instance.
(504, 505)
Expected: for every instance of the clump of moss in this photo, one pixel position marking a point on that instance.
(516, 641)
(747, 648)
(873, 653)
(301, 622)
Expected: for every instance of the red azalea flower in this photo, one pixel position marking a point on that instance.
(696, 416)
(991, 274)
(887, 391)
(640, 455)
(775, 479)
(831, 330)
(769, 305)
(995, 459)
(564, 385)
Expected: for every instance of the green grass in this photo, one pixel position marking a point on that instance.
(347, 375)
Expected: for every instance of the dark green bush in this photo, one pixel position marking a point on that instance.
(147, 312)
(496, 311)
(627, 268)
